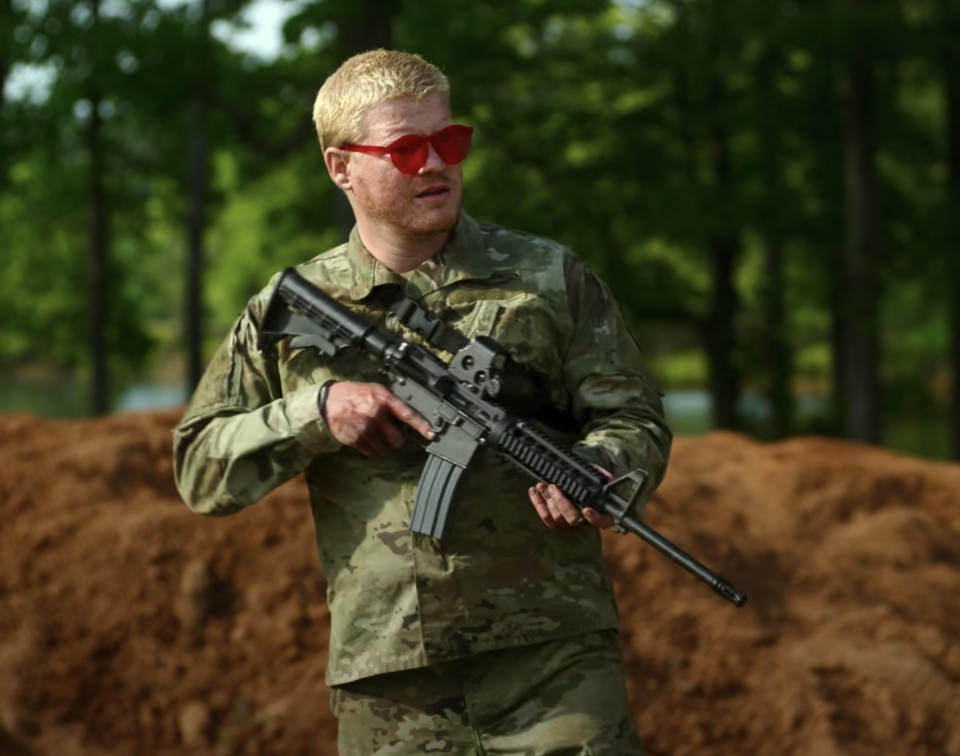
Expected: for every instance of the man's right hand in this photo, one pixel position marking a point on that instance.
(364, 416)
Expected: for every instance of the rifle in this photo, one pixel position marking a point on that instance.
(459, 399)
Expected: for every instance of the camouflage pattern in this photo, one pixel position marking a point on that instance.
(561, 697)
(500, 578)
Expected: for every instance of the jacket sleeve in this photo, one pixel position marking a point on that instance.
(241, 437)
(615, 402)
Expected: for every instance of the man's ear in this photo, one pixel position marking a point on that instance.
(338, 166)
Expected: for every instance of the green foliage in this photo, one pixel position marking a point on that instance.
(598, 123)
(42, 276)
(264, 227)
(39, 269)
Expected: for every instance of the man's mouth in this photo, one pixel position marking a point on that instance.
(434, 191)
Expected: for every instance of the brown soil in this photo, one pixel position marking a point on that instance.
(130, 626)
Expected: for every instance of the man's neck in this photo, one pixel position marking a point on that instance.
(401, 254)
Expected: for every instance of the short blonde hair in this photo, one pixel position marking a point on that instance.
(366, 80)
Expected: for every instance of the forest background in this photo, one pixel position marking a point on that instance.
(771, 189)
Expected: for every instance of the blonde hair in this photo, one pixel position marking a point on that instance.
(366, 80)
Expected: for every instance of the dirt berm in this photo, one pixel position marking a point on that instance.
(129, 626)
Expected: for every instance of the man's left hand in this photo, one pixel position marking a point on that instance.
(559, 513)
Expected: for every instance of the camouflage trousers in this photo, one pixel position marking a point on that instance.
(561, 698)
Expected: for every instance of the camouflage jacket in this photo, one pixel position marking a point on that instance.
(500, 578)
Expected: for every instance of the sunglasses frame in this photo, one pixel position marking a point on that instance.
(410, 152)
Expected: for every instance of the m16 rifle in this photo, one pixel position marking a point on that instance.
(459, 399)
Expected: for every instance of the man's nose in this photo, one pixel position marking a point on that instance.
(434, 161)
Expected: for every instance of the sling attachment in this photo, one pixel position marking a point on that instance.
(431, 327)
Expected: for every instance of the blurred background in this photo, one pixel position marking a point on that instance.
(771, 189)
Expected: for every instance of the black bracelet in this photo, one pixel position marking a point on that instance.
(322, 398)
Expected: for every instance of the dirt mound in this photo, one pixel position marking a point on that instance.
(130, 626)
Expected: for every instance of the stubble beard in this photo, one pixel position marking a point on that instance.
(403, 217)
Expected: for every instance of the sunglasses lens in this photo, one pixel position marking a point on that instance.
(453, 143)
(409, 153)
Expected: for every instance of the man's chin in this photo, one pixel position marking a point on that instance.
(426, 227)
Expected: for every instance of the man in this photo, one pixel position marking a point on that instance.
(501, 638)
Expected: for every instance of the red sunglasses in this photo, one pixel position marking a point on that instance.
(411, 152)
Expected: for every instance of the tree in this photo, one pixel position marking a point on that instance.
(71, 153)
(949, 55)
(197, 182)
(859, 352)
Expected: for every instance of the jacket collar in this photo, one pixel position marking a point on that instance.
(463, 257)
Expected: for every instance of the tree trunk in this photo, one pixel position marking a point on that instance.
(198, 180)
(4, 73)
(97, 251)
(342, 215)
(196, 223)
(718, 325)
(950, 22)
(8, 21)
(838, 335)
(860, 370)
(776, 349)
(366, 25)
(723, 250)
(777, 355)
